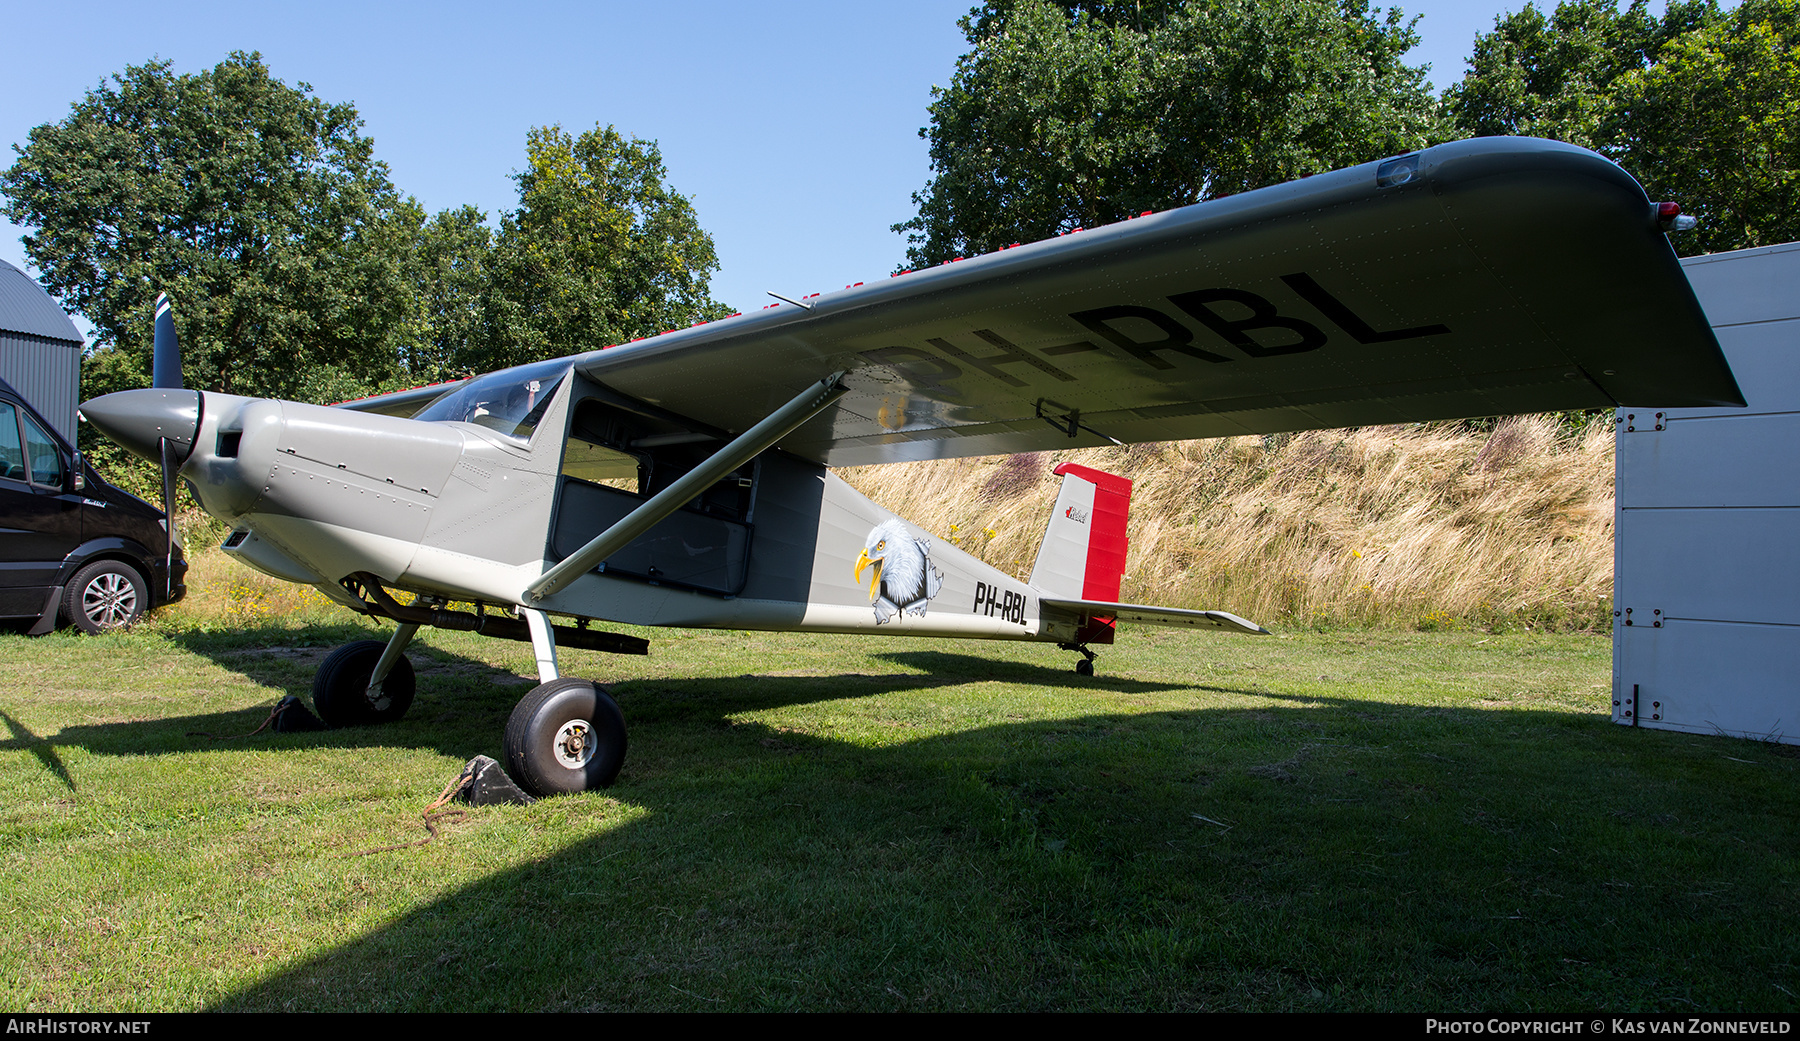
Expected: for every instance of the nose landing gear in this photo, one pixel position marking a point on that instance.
(365, 682)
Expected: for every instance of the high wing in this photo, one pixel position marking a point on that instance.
(1484, 277)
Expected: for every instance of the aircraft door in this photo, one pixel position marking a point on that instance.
(616, 458)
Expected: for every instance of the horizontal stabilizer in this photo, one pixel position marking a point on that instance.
(1157, 615)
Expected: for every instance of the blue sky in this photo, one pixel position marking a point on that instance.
(793, 127)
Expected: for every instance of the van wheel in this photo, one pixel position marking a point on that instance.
(105, 595)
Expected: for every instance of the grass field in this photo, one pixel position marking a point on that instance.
(1322, 821)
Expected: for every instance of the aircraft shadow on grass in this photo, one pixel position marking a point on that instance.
(463, 703)
(1252, 856)
(686, 733)
(814, 850)
(989, 862)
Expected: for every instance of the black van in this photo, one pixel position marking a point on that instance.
(73, 547)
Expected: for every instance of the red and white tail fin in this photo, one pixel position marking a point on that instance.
(1083, 555)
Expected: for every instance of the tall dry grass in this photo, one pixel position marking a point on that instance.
(1433, 526)
(225, 595)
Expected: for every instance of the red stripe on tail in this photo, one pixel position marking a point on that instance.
(1107, 543)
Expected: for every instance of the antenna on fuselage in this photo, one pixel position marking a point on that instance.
(790, 300)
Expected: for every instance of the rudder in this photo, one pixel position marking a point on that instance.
(1083, 553)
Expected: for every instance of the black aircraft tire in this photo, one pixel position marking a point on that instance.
(341, 686)
(565, 736)
(105, 595)
(1084, 667)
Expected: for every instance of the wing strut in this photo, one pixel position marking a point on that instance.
(748, 445)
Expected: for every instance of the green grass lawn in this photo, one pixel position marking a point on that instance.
(1350, 820)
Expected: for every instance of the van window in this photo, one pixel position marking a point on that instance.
(45, 458)
(12, 459)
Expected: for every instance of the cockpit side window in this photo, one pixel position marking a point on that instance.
(620, 452)
(598, 449)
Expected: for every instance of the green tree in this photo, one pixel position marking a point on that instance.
(452, 265)
(1556, 76)
(1078, 114)
(258, 208)
(599, 252)
(1701, 105)
(1714, 124)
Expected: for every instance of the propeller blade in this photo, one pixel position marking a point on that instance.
(170, 463)
(165, 360)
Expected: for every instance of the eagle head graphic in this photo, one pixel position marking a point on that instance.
(903, 580)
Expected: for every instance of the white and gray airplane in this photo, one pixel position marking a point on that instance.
(684, 479)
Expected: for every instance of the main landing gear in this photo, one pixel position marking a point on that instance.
(566, 735)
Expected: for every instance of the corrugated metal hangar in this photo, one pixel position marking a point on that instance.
(40, 350)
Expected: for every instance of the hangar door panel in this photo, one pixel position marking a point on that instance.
(1709, 462)
(1736, 565)
(1706, 631)
(1708, 678)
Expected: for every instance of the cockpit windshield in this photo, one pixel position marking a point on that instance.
(510, 401)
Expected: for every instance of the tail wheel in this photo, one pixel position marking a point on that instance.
(565, 736)
(341, 694)
(106, 595)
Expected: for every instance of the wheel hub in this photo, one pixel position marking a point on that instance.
(574, 744)
(109, 600)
